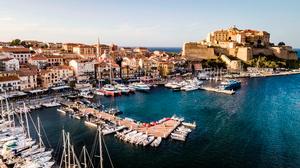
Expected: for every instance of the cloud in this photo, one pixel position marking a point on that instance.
(6, 19)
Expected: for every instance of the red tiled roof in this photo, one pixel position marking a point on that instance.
(39, 57)
(26, 72)
(6, 59)
(14, 49)
(8, 78)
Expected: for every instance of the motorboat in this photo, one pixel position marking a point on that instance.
(110, 90)
(124, 89)
(190, 87)
(156, 142)
(141, 87)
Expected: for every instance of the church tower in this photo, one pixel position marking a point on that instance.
(98, 48)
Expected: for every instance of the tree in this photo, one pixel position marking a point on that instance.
(281, 44)
(15, 42)
(119, 61)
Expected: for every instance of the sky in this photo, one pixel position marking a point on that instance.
(150, 23)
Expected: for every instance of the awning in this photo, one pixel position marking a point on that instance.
(38, 90)
(61, 87)
(13, 94)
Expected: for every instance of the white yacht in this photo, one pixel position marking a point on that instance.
(141, 86)
(190, 87)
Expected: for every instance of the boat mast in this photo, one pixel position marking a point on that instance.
(64, 146)
(7, 108)
(2, 114)
(39, 131)
(84, 156)
(100, 147)
(27, 124)
(110, 75)
(69, 150)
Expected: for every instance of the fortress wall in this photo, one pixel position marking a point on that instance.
(244, 53)
(196, 51)
(284, 53)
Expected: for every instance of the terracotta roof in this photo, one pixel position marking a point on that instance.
(38, 57)
(6, 59)
(84, 46)
(60, 67)
(54, 56)
(14, 49)
(8, 78)
(26, 72)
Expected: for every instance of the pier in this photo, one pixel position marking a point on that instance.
(230, 92)
(161, 129)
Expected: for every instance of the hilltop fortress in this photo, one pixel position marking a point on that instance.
(239, 44)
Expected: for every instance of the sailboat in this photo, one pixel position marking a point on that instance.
(18, 148)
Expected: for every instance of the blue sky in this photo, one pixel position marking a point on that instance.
(152, 23)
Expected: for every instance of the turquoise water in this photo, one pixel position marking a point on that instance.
(257, 127)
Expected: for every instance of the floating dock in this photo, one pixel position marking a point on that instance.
(162, 129)
(230, 92)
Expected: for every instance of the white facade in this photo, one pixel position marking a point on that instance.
(9, 83)
(22, 57)
(81, 68)
(28, 82)
(9, 64)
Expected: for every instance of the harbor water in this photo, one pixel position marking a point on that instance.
(259, 126)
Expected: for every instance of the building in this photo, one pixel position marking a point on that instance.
(103, 70)
(38, 60)
(84, 50)
(242, 44)
(195, 51)
(165, 68)
(241, 37)
(53, 76)
(28, 79)
(232, 63)
(55, 60)
(9, 83)
(83, 67)
(142, 50)
(101, 49)
(68, 47)
(20, 53)
(9, 64)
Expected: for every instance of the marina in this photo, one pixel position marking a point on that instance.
(218, 127)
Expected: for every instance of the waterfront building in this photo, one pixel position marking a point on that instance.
(9, 64)
(28, 78)
(55, 75)
(9, 83)
(165, 68)
(107, 70)
(83, 67)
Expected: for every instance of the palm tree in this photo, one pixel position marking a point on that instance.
(119, 61)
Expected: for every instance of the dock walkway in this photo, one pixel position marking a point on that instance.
(162, 129)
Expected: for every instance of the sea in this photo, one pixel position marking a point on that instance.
(259, 127)
(165, 49)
